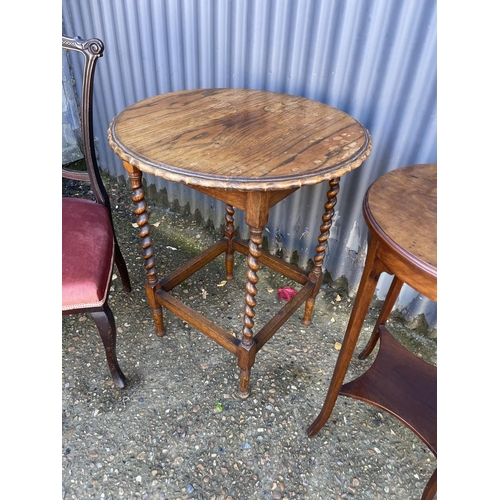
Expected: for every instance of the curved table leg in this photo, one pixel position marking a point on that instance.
(317, 272)
(389, 302)
(369, 279)
(430, 489)
(142, 217)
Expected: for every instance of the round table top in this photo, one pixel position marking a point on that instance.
(239, 139)
(401, 208)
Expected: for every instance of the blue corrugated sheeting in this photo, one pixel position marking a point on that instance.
(374, 59)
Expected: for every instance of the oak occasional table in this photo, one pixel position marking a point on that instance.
(250, 149)
(400, 210)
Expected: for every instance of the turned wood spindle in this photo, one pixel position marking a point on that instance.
(142, 218)
(251, 288)
(229, 233)
(317, 272)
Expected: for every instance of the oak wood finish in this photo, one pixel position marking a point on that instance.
(249, 149)
(400, 211)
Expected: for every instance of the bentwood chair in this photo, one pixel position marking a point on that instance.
(89, 244)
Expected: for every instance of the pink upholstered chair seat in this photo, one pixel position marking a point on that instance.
(87, 238)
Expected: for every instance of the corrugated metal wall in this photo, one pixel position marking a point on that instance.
(374, 59)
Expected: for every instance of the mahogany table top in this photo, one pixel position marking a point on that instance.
(401, 207)
(239, 139)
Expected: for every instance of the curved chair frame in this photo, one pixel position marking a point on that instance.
(102, 315)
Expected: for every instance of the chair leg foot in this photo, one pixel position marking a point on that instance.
(105, 323)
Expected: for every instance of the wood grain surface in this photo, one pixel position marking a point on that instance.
(238, 139)
(402, 205)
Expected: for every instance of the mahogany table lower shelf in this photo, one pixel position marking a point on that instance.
(409, 390)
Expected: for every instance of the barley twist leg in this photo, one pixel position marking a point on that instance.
(316, 274)
(246, 357)
(142, 218)
(229, 234)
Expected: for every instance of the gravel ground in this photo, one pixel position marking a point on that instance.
(180, 431)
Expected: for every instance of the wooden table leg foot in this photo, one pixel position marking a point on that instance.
(244, 384)
(308, 309)
(320, 421)
(156, 310)
(158, 319)
(246, 359)
(431, 488)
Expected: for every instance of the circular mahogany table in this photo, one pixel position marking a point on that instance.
(400, 211)
(249, 149)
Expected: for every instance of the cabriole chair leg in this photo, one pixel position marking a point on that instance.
(105, 322)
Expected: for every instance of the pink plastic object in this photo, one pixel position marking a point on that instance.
(286, 293)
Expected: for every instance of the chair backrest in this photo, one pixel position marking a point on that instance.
(91, 50)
